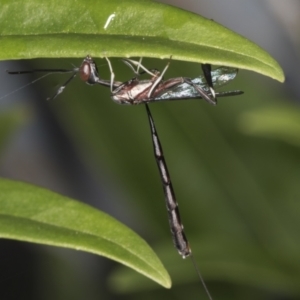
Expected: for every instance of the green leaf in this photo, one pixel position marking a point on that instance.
(33, 214)
(33, 28)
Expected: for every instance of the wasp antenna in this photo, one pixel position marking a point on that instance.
(41, 71)
(62, 88)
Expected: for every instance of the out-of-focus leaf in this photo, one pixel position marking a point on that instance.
(8, 122)
(253, 268)
(277, 122)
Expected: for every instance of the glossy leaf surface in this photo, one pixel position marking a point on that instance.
(33, 214)
(124, 28)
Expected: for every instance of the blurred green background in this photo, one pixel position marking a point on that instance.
(235, 171)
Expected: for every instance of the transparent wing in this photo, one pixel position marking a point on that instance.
(220, 77)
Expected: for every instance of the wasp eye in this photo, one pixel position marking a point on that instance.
(85, 71)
